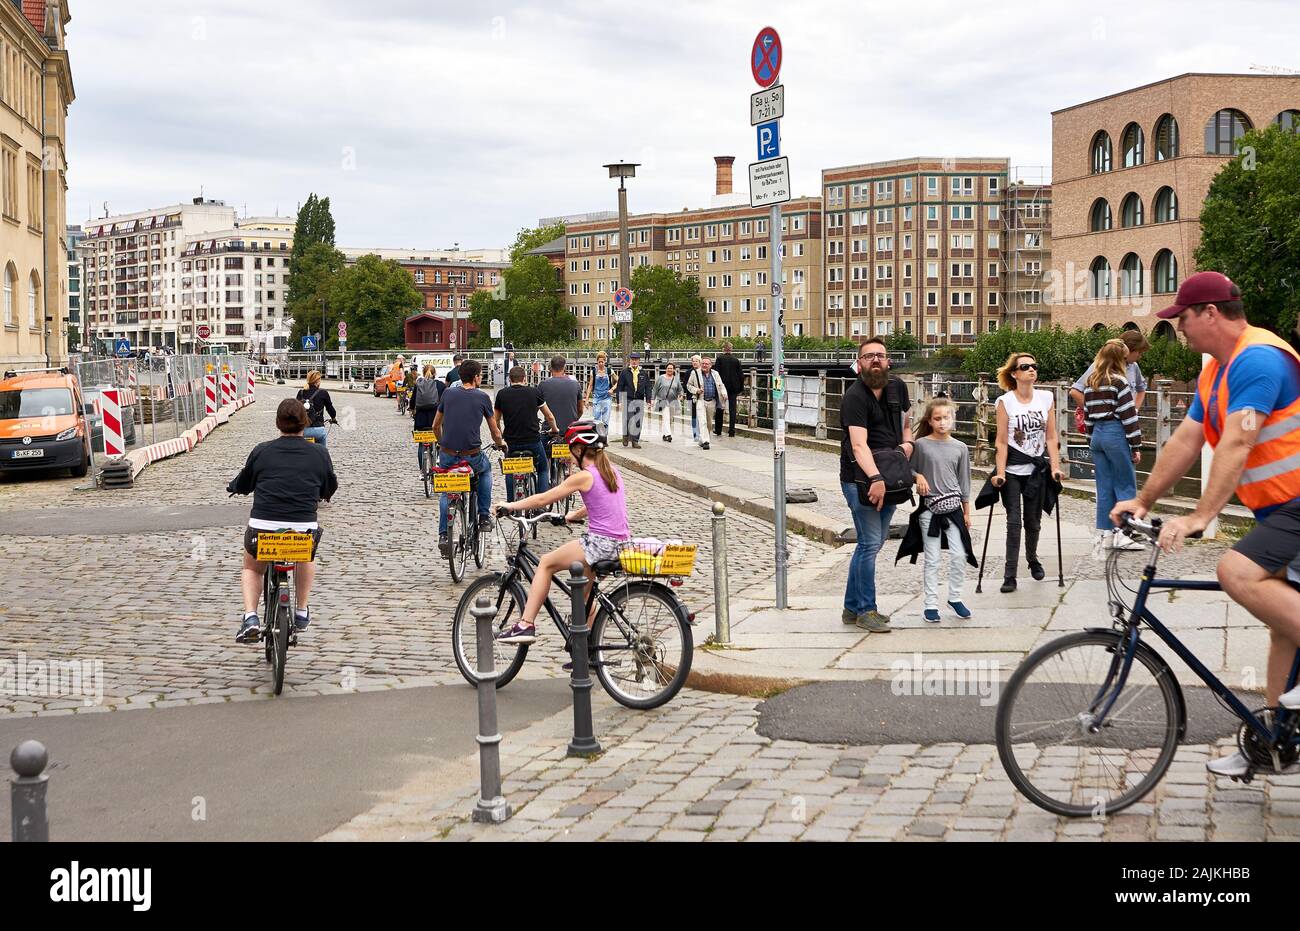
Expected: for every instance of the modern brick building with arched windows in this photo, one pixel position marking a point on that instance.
(1129, 174)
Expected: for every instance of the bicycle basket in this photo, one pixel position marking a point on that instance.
(648, 556)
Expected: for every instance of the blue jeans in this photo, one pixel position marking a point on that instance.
(873, 528)
(540, 463)
(316, 433)
(483, 469)
(1112, 460)
(600, 411)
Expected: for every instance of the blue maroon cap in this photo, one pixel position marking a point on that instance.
(1202, 288)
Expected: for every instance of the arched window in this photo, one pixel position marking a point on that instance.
(1134, 145)
(1131, 211)
(1224, 130)
(1100, 277)
(1164, 330)
(33, 301)
(1166, 272)
(1130, 326)
(1166, 138)
(1100, 153)
(1130, 276)
(11, 281)
(1166, 205)
(1101, 219)
(1289, 119)
(1098, 327)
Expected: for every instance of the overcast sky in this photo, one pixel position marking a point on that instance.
(429, 123)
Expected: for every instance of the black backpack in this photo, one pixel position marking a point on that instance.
(892, 464)
(426, 394)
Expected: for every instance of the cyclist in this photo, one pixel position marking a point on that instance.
(408, 388)
(458, 426)
(604, 506)
(563, 395)
(317, 402)
(287, 477)
(1247, 407)
(395, 370)
(453, 374)
(424, 403)
(517, 408)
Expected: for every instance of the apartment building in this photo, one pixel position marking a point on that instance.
(36, 90)
(724, 246)
(1026, 250)
(1130, 172)
(73, 311)
(915, 246)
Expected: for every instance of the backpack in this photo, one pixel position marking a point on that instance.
(426, 394)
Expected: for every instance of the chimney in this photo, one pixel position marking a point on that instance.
(723, 176)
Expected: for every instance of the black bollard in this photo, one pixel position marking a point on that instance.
(31, 821)
(584, 741)
(491, 807)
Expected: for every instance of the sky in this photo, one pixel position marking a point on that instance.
(429, 123)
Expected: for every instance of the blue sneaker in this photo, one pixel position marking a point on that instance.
(961, 610)
(249, 629)
(301, 619)
(931, 616)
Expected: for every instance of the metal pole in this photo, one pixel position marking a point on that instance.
(492, 807)
(721, 595)
(583, 742)
(624, 272)
(30, 822)
(778, 412)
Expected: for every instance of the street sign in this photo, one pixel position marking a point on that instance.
(343, 330)
(343, 344)
(769, 182)
(767, 105)
(776, 289)
(622, 316)
(122, 347)
(765, 58)
(769, 140)
(622, 298)
(496, 329)
(309, 344)
(204, 331)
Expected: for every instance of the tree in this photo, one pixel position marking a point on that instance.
(532, 238)
(375, 297)
(312, 280)
(901, 341)
(666, 305)
(1250, 227)
(531, 310)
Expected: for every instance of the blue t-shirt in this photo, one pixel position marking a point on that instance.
(1261, 378)
(463, 412)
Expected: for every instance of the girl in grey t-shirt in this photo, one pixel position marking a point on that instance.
(941, 464)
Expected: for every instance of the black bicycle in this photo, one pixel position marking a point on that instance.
(557, 457)
(278, 632)
(640, 642)
(429, 460)
(460, 484)
(1088, 724)
(525, 482)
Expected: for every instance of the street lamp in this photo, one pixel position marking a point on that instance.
(623, 170)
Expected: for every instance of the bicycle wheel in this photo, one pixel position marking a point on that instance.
(1047, 706)
(456, 532)
(508, 658)
(645, 649)
(426, 473)
(282, 620)
(480, 546)
(270, 594)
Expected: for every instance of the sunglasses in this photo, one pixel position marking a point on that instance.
(1027, 366)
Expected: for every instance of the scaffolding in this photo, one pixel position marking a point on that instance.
(1026, 246)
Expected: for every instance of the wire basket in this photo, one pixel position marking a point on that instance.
(657, 557)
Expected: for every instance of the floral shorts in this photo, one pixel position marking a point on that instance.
(597, 548)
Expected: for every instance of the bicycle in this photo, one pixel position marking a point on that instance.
(1105, 701)
(278, 632)
(640, 643)
(558, 463)
(403, 399)
(460, 484)
(429, 466)
(525, 483)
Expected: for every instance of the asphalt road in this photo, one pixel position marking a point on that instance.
(280, 769)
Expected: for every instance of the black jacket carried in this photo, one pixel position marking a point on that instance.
(287, 477)
(914, 543)
(728, 368)
(1039, 484)
(644, 388)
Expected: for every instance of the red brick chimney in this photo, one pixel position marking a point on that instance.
(723, 176)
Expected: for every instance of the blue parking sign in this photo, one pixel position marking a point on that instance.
(769, 140)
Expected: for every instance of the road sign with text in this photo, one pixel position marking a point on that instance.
(769, 182)
(767, 105)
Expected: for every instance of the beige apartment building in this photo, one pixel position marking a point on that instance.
(36, 89)
(724, 246)
(915, 246)
(1130, 172)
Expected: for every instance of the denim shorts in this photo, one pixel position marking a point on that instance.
(597, 548)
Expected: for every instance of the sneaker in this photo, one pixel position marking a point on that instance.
(520, 633)
(932, 615)
(1291, 699)
(848, 617)
(636, 445)
(1120, 541)
(485, 524)
(1036, 570)
(959, 609)
(249, 629)
(704, 444)
(873, 621)
(301, 619)
(668, 439)
(1008, 585)
(444, 544)
(1233, 765)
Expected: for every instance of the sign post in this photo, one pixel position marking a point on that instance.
(769, 186)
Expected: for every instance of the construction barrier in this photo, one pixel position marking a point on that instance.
(210, 394)
(110, 405)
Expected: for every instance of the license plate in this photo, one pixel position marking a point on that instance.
(560, 451)
(29, 453)
(450, 482)
(517, 466)
(284, 547)
(423, 436)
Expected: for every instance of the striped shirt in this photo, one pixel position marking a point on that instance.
(1114, 402)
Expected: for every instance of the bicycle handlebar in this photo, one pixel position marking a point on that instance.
(1151, 528)
(523, 519)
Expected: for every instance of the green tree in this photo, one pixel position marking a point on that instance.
(313, 280)
(901, 341)
(666, 306)
(530, 309)
(1250, 227)
(1066, 354)
(375, 297)
(532, 238)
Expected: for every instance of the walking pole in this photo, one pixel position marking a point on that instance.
(1060, 562)
(979, 584)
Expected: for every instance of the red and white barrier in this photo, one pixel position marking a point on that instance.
(111, 418)
(210, 394)
(251, 384)
(227, 388)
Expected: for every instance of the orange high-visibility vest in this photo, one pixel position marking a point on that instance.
(1272, 473)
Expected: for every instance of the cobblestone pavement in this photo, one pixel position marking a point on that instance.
(698, 771)
(159, 609)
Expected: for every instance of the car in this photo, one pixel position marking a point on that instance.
(386, 385)
(43, 422)
(90, 395)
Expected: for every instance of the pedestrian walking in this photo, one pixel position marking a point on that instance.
(733, 379)
(1028, 461)
(690, 400)
(941, 464)
(634, 391)
(760, 351)
(668, 389)
(317, 402)
(1114, 437)
(600, 391)
(709, 394)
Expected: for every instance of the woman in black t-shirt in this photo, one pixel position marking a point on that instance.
(317, 401)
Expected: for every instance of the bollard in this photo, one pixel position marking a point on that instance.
(31, 822)
(492, 807)
(721, 596)
(584, 740)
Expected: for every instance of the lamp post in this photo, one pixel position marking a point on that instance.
(622, 171)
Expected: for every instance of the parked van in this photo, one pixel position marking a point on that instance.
(43, 422)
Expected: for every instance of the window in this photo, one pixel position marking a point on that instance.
(907, 187)
(726, 255)
(932, 269)
(932, 212)
(746, 279)
(762, 252)
(884, 188)
(9, 296)
(1166, 138)
(884, 243)
(1224, 130)
(1166, 205)
(711, 255)
(33, 301)
(907, 242)
(712, 231)
(1100, 218)
(932, 240)
(1166, 277)
(10, 183)
(958, 212)
(963, 186)
(993, 187)
(1133, 145)
(1101, 152)
(1130, 276)
(993, 299)
(1033, 325)
(993, 269)
(884, 273)
(992, 213)
(931, 184)
(885, 215)
(1033, 240)
(726, 281)
(726, 229)
(1131, 211)
(1100, 272)
(835, 221)
(932, 328)
(907, 214)
(711, 306)
(798, 223)
(931, 298)
(1289, 119)
(884, 300)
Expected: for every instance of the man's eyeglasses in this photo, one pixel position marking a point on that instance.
(873, 355)
(1027, 366)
